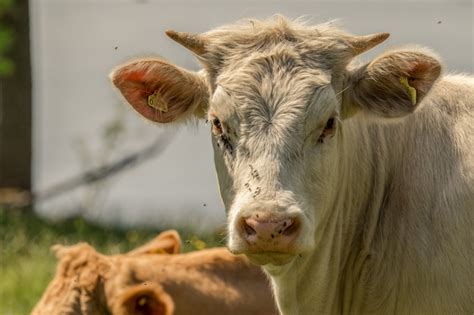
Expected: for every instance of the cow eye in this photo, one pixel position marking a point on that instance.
(221, 134)
(329, 124)
(328, 130)
(216, 126)
(216, 123)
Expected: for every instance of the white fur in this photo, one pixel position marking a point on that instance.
(385, 201)
(385, 206)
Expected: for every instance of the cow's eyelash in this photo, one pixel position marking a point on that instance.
(221, 134)
(328, 129)
(216, 124)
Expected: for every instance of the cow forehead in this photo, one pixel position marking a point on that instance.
(272, 69)
(269, 92)
(274, 77)
(273, 122)
(281, 63)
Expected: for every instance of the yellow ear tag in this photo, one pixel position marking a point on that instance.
(410, 90)
(155, 101)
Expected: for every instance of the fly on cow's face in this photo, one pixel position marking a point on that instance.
(256, 192)
(221, 134)
(224, 140)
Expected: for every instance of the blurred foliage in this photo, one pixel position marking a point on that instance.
(6, 38)
(27, 265)
(6, 4)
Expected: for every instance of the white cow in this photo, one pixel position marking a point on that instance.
(352, 186)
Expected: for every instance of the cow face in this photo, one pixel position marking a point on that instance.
(273, 123)
(276, 94)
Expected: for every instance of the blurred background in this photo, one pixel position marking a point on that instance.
(77, 164)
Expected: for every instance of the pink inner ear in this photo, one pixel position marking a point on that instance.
(138, 80)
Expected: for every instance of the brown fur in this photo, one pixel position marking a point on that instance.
(211, 281)
(167, 242)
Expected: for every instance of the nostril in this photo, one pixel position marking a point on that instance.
(290, 228)
(247, 228)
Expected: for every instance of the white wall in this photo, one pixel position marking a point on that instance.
(77, 43)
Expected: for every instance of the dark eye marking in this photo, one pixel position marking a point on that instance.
(330, 123)
(328, 130)
(216, 123)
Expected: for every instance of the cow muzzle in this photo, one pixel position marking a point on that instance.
(267, 233)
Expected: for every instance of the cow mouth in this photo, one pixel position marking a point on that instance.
(266, 252)
(270, 258)
(261, 257)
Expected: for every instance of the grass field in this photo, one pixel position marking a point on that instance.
(27, 265)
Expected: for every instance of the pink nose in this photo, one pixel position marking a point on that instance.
(269, 232)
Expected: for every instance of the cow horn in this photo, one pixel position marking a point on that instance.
(194, 42)
(359, 44)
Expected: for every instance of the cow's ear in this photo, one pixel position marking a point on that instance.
(393, 85)
(167, 242)
(162, 92)
(143, 299)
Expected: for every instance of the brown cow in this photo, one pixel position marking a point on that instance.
(148, 281)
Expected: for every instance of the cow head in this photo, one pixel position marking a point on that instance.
(78, 286)
(84, 282)
(277, 94)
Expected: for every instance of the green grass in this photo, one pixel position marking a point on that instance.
(27, 265)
